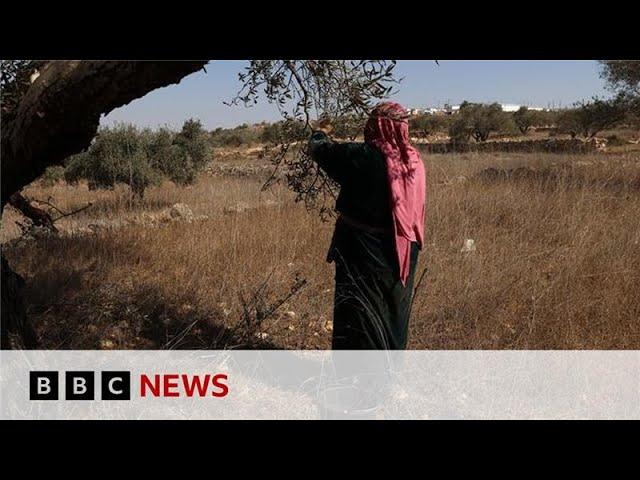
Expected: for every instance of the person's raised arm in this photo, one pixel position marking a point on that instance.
(336, 159)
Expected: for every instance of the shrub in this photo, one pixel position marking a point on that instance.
(423, 125)
(163, 153)
(235, 137)
(117, 155)
(140, 158)
(189, 153)
(52, 175)
(284, 131)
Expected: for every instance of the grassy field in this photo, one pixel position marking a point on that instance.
(556, 265)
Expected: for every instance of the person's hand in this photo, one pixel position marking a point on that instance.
(322, 125)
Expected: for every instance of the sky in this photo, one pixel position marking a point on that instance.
(540, 83)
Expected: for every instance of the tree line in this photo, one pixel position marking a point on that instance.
(141, 158)
(479, 121)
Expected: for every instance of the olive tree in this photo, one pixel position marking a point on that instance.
(141, 158)
(118, 155)
(307, 89)
(235, 137)
(425, 124)
(525, 119)
(478, 121)
(590, 118)
(622, 75)
(191, 156)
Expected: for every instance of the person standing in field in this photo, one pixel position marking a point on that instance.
(379, 230)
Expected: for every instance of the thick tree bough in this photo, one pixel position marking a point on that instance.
(58, 117)
(60, 113)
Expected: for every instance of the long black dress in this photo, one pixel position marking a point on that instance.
(371, 306)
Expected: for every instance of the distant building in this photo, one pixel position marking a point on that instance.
(425, 111)
(448, 109)
(452, 109)
(509, 107)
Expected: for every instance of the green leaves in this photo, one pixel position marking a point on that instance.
(590, 118)
(478, 120)
(304, 90)
(622, 75)
(140, 158)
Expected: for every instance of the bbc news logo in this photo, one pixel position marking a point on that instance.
(116, 385)
(80, 385)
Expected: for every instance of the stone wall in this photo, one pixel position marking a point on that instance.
(524, 146)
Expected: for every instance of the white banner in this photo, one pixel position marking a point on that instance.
(320, 384)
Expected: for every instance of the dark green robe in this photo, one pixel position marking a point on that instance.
(371, 306)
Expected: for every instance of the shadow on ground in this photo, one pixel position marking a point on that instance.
(75, 309)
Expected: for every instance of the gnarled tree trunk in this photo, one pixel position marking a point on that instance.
(58, 117)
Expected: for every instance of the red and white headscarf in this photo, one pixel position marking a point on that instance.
(388, 130)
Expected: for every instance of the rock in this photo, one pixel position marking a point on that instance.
(181, 211)
(469, 245)
(598, 143)
(290, 314)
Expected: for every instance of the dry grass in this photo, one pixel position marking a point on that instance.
(557, 264)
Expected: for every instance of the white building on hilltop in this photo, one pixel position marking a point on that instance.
(510, 107)
(506, 107)
(452, 109)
